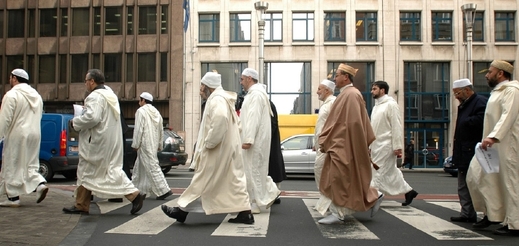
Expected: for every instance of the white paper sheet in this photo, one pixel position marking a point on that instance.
(78, 110)
(488, 159)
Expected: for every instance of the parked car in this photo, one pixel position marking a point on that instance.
(172, 154)
(58, 146)
(298, 154)
(450, 167)
(431, 158)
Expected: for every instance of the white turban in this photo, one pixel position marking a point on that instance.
(251, 72)
(461, 83)
(20, 73)
(147, 96)
(328, 84)
(212, 80)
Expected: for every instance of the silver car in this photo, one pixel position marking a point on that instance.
(298, 154)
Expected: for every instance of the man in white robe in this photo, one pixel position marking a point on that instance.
(101, 149)
(219, 183)
(325, 92)
(497, 194)
(255, 115)
(389, 142)
(147, 140)
(20, 117)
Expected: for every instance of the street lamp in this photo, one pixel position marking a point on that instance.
(261, 7)
(469, 10)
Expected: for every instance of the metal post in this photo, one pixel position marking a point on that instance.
(261, 7)
(469, 10)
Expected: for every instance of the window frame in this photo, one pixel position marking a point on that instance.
(309, 24)
(331, 21)
(509, 32)
(270, 26)
(438, 18)
(214, 22)
(365, 27)
(416, 25)
(236, 21)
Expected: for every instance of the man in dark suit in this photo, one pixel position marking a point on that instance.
(469, 131)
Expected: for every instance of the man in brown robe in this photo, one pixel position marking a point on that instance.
(345, 138)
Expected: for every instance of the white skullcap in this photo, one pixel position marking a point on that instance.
(329, 84)
(147, 96)
(251, 73)
(461, 83)
(20, 73)
(212, 80)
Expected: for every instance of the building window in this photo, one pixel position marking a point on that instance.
(48, 22)
(47, 69)
(64, 22)
(78, 68)
(15, 23)
(505, 27)
(148, 20)
(273, 27)
(362, 80)
(164, 66)
(32, 23)
(240, 27)
(426, 91)
(366, 26)
(146, 68)
(164, 19)
(335, 27)
(441, 26)
(230, 72)
(129, 21)
(302, 26)
(113, 21)
(113, 67)
(478, 33)
(80, 23)
(15, 62)
(410, 26)
(293, 94)
(97, 21)
(209, 25)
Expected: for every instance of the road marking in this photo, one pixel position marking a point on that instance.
(351, 229)
(258, 229)
(150, 223)
(430, 224)
(105, 206)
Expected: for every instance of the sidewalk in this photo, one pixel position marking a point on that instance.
(38, 224)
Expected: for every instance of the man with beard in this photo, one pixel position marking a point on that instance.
(219, 184)
(20, 117)
(468, 132)
(345, 139)
(385, 120)
(496, 194)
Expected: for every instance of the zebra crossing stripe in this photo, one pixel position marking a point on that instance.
(451, 205)
(430, 224)
(258, 229)
(351, 229)
(150, 223)
(107, 207)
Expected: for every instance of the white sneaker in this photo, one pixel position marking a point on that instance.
(11, 204)
(255, 209)
(41, 192)
(330, 220)
(376, 207)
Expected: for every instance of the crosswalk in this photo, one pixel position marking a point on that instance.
(153, 222)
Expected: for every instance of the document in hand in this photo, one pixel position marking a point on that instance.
(488, 159)
(78, 110)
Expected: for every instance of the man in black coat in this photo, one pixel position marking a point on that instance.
(276, 162)
(469, 131)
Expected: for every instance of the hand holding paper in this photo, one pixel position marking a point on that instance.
(488, 159)
(78, 110)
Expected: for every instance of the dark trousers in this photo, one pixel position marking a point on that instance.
(467, 209)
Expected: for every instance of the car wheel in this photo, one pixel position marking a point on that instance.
(46, 170)
(166, 169)
(71, 174)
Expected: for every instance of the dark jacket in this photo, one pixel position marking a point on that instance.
(276, 162)
(469, 130)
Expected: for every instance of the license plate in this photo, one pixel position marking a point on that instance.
(73, 148)
(181, 148)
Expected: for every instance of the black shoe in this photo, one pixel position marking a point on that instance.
(277, 201)
(169, 193)
(137, 203)
(175, 213)
(74, 210)
(115, 200)
(504, 231)
(409, 196)
(191, 169)
(464, 219)
(244, 217)
(484, 223)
